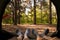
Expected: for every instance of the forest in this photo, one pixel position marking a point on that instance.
(30, 12)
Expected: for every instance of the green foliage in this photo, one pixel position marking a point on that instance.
(7, 20)
(41, 18)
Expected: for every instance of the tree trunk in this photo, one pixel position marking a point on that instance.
(50, 17)
(19, 8)
(15, 14)
(34, 11)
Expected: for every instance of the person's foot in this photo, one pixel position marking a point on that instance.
(20, 34)
(44, 33)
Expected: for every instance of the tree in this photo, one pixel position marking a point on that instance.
(50, 17)
(44, 6)
(41, 9)
(15, 18)
(19, 11)
(12, 9)
(34, 11)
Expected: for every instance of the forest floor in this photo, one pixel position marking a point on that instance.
(39, 28)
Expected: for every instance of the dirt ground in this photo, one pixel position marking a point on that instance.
(39, 28)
